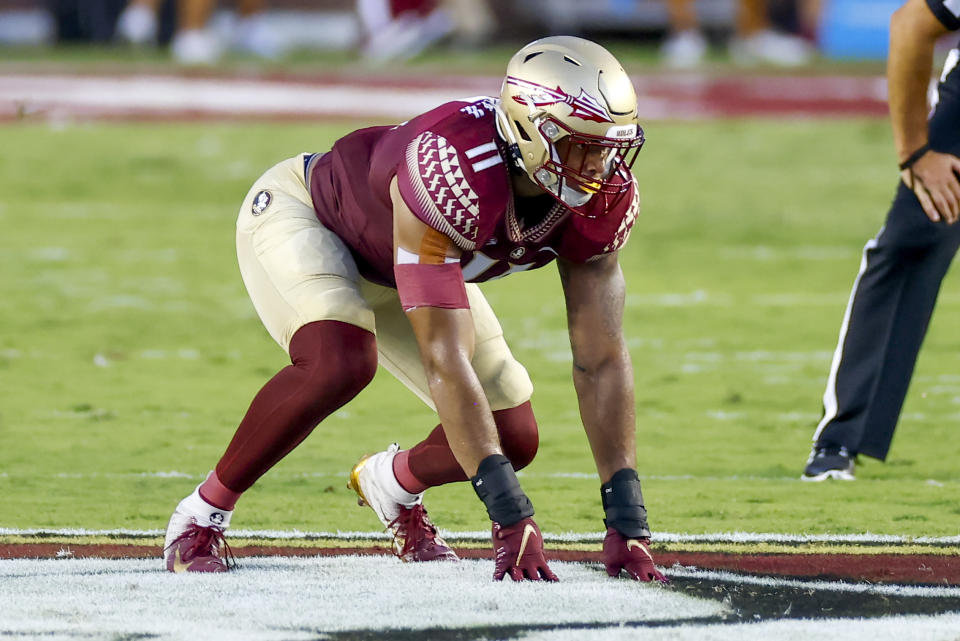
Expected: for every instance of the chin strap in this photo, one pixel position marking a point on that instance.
(514, 157)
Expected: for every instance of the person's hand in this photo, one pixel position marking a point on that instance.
(632, 555)
(519, 552)
(934, 179)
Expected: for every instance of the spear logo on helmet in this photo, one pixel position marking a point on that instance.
(584, 106)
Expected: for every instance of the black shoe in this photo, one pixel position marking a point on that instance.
(829, 463)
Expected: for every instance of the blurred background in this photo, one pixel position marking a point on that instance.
(680, 34)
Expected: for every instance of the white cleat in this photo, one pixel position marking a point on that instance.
(373, 480)
(194, 540)
(415, 537)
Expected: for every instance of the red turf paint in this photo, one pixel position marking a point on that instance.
(918, 569)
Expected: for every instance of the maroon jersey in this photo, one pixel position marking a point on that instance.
(451, 170)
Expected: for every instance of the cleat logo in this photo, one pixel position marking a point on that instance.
(633, 543)
(178, 564)
(216, 518)
(528, 529)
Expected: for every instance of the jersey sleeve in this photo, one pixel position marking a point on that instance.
(453, 179)
(947, 12)
(591, 238)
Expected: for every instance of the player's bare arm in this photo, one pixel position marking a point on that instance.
(603, 377)
(602, 371)
(446, 341)
(914, 31)
(445, 336)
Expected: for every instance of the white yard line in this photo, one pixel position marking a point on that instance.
(833, 586)
(586, 476)
(483, 535)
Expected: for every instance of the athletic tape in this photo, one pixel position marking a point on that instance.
(422, 285)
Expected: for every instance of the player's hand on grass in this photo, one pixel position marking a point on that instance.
(935, 179)
(519, 552)
(632, 555)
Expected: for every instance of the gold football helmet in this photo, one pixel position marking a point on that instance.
(568, 111)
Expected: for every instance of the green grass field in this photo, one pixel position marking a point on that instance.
(128, 347)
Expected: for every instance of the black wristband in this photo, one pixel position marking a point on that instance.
(497, 486)
(623, 505)
(914, 157)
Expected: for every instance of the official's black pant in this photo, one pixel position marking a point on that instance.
(890, 307)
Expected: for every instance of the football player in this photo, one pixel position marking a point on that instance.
(371, 253)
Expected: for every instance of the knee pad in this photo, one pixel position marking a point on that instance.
(519, 437)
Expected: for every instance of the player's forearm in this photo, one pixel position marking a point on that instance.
(908, 76)
(605, 395)
(464, 413)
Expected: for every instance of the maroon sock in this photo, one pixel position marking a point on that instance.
(406, 479)
(217, 494)
(431, 462)
(332, 362)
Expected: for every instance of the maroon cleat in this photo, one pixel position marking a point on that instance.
(199, 549)
(420, 541)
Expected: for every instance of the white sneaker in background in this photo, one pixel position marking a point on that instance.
(771, 47)
(196, 47)
(407, 35)
(137, 25)
(254, 35)
(684, 50)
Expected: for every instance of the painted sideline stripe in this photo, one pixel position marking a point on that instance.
(169, 96)
(484, 535)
